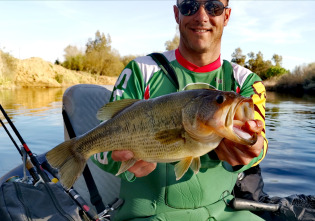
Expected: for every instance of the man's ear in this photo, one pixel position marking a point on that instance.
(227, 16)
(176, 14)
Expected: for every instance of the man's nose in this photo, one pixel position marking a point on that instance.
(201, 15)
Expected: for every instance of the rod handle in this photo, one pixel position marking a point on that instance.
(242, 204)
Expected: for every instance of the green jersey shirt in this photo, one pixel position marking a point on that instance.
(159, 196)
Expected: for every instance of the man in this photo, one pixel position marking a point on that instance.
(150, 190)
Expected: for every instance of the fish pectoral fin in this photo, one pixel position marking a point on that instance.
(169, 136)
(109, 110)
(195, 164)
(125, 165)
(182, 166)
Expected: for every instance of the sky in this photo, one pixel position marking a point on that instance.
(45, 28)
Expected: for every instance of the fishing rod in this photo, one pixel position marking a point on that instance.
(73, 194)
(45, 165)
(12, 139)
(28, 164)
(34, 160)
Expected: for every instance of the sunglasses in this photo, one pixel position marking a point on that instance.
(190, 7)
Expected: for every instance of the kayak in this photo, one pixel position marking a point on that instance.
(80, 105)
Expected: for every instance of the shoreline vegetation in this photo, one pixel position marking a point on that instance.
(100, 64)
(301, 81)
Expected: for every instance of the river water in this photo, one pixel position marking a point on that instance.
(289, 167)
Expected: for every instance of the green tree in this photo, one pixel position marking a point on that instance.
(100, 43)
(74, 58)
(277, 59)
(173, 44)
(238, 57)
(100, 58)
(126, 59)
(257, 64)
(71, 51)
(275, 71)
(76, 63)
(8, 65)
(264, 68)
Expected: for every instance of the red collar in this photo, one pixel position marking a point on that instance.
(192, 67)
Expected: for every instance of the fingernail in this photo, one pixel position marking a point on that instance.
(259, 123)
(252, 124)
(128, 155)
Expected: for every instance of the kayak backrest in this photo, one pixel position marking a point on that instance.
(81, 103)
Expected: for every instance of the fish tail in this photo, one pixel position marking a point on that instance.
(69, 163)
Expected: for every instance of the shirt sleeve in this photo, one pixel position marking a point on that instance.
(254, 88)
(129, 84)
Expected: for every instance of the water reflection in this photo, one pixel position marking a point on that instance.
(32, 100)
(36, 113)
(289, 167)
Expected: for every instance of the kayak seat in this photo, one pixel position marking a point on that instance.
(81, 103)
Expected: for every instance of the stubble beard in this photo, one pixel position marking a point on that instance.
(205, 47)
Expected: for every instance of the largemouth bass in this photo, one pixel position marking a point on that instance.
(180, 127)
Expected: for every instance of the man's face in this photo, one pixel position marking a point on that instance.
(201, 32)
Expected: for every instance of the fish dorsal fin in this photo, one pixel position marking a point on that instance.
(111, 109)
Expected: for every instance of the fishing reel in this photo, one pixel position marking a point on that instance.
(105, 216)
(26, 180)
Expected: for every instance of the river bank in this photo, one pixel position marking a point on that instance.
(300, 82)
(35, 72)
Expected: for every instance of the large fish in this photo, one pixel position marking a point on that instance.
(180, 127)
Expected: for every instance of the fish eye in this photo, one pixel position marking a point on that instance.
(220, 99)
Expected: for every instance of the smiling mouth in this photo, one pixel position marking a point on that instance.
(200, 30)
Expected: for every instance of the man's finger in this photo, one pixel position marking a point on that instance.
(122, 155)
(142, 168)
(255, 126)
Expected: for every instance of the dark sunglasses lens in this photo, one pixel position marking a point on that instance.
(214, 8)
(188, 8)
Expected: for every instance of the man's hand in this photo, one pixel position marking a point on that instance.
(238, 154)
(139, 169)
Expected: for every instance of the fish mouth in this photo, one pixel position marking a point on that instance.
(236, 119)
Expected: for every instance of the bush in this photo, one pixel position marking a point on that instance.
(98, 58)
(300, 81)
(7, 68)
(274, 71)
(76, 62)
